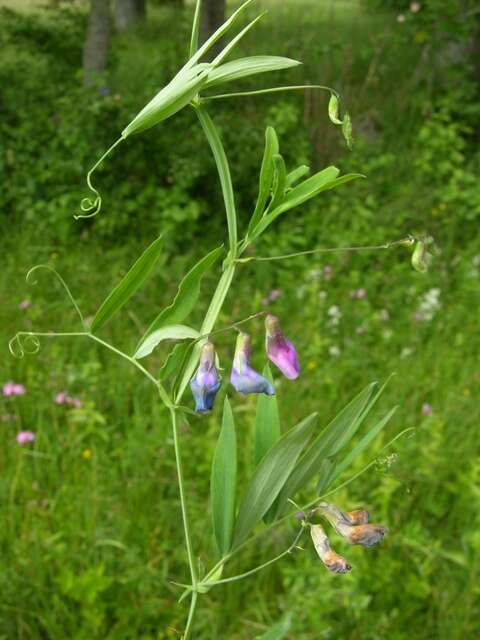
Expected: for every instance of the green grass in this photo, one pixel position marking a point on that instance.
(91, 538)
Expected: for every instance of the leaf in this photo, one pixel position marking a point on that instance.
(267, 422)
(325, 445)
(128, 285)
(233, 43)
(363, 444)
(195, 28)
(170, 332)
(327, 470)
(296, 174)
(270, 476)
(244, 67)
(186, 296)
(279, 181)
(174, 361)
(223, 482)
(266, 176)
(278, 631)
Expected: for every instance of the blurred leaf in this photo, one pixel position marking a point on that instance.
(279, 181)
(128, 285)
(223, 482)
(267, 421)
(174, 361)
(187, 295)
(270, 476)
(170, 332)
(296, 174)
(278, 631)
(327, 470)
(245, 67)
(266, 176)
(362, 444)
(325, 445)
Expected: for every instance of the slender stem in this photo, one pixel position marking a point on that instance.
(260, 567)
(239, 94)
(379, 247)
(186, 528)
(195, 28)
(191, 613)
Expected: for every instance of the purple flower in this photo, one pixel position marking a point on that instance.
(280, 350)
(13, 389)
(243, 377)
(24, 437)
(64, 398)
(61, 398)
(206, 382)
(272, 295)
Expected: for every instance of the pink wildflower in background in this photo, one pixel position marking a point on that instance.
(327, 272)
(24, 304)
(427, 409)
(358, 294)
(11, 388)
(24, 437)
(272, 295)
(415, 7)
(63, 397)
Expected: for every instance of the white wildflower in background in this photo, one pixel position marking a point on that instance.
(334, 351)
(383, 315)
(428, 306)
(335, 315)
(322, 295)
(406, 352)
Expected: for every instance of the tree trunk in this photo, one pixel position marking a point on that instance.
(95, 49)
(213, 15)
(129, 13)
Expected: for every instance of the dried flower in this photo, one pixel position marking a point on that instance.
(24, 437)
(365, 534)
(206, 382)
(13, 389)
(243, 377)
(332, 561)
(358, 516)
(280, 350)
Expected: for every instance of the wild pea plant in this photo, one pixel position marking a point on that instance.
(284, 463)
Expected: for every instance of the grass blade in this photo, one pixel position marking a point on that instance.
(267, 422)
(223, 482)
(128, 285)
(195, 28)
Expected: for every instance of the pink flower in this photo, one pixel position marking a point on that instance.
(64, 398)
(280, 350)
(427, 409)
(13, 389)
(415, 7)
(24, 437)
(358, 294)
(24, 304)
(61, 398)
(327, 272)
(272, 295)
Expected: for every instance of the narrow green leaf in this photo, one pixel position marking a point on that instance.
(223, 172)
(277, 632)
(266, 176)
(173, 363)
(187, 295)
(327, 470)
(233, 43)
(270, 476)
(128, 285)
(244, 67)
(176, 95)
(296, 174)
(325, 445)
(195, 28)
(267, 422)
(219, 33)
(170, 332)
(363, 444)
(279, 181)
(223, 482)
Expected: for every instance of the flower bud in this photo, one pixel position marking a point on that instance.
(420, 257)
(243, 377)
(281, 351)
(366, 535)
(332, 561)
(206, 381)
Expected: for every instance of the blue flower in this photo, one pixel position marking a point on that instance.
(206, 381)
(243, 377)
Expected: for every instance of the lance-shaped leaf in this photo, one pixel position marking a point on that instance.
(128, 285)
(326, 475)
(266, 176)
(325, 445)
(244, 67)
(176, 95)
(223, 482)
(174, 362)
(362, 444)
(187, 295)
(267, 421)
(297, 174)
(170, 332)
(270, 476)
(277, 632)
(279, 181)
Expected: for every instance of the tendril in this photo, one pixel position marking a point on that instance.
(24, 342)
(91, 206)
(32, 281)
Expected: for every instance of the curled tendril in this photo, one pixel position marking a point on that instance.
(24, 343)
(32, 281)
(91, 206)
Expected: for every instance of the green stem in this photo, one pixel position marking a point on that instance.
(257, 92)
(191, 613)
(186, 527)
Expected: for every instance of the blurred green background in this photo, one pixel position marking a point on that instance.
(90, 536)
